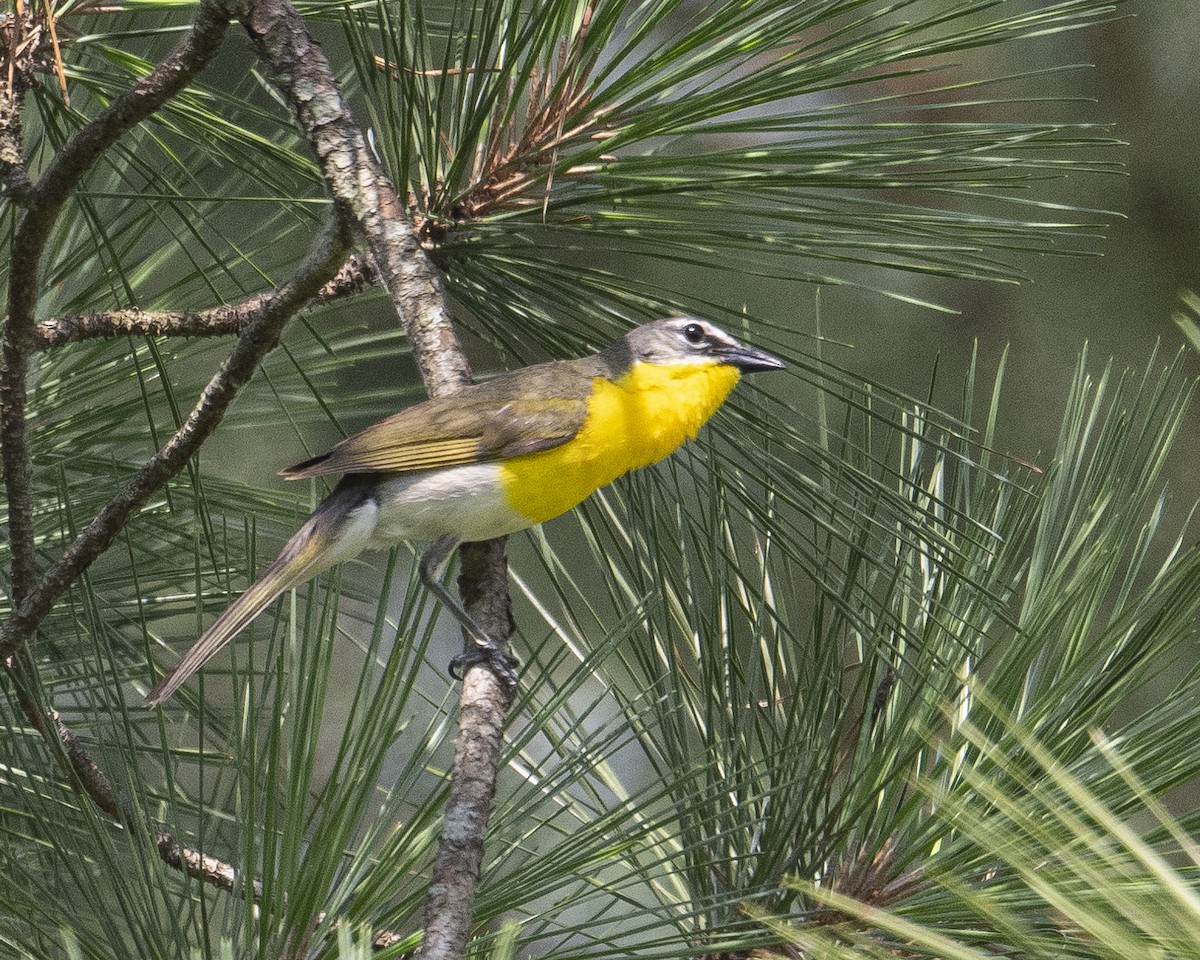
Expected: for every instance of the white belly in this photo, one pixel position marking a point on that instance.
(465, 501)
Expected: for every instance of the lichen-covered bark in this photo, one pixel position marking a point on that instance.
(365, 202)
(43, 207)
(483, 706)
(300, 70)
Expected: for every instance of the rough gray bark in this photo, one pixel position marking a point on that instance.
(363, 199)
(483, 707)
(303, 75)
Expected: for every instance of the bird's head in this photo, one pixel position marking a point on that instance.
(689, 340)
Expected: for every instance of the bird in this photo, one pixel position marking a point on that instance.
(495, 458)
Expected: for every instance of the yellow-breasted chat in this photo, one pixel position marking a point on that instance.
(495, 458)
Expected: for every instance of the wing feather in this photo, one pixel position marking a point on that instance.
(533, 409)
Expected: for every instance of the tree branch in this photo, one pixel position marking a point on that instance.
(357, 272)
(49, 195)
(354, 274)
(200, 866)
(261, 334)
(362, 194)
(261, 331)
(303, 75)
(256, 340)
(220, 321)
(483, 705)
(90, 780)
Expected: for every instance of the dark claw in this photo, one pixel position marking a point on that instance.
(502, 664)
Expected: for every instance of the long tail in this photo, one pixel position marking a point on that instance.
(315, 547)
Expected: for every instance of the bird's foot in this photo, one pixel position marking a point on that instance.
(502, 664)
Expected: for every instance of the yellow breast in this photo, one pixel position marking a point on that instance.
(631, 422)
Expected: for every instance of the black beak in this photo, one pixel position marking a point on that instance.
(749, 359)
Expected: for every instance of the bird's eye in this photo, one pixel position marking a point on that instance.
(694, 333)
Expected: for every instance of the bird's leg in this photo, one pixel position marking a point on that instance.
(500, 661)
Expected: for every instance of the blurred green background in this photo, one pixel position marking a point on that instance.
(1140, 74)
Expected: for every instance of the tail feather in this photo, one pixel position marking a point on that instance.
(235, 618)
(312, 549)
(305, 468)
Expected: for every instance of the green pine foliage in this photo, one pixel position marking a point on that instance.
(839, 679)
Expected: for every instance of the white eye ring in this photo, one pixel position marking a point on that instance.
(694, 333)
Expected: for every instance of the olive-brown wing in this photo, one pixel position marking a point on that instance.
(483, 423)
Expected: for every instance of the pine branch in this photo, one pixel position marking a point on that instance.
(90, 780)
(257, 339)
(354, 274)
(214, 322)
(483, 706)
(260, 335)
(303, 75)
(65, 172)
(361, 193)
(45, 203)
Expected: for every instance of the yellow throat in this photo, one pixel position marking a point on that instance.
(631, 422)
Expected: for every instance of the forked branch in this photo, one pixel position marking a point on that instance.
(362, 196)
(303, 75)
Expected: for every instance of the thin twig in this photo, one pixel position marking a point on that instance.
(50, 194)
(200, 866)
(44, 202)
(357, 272)
(90, 780)
(58, 61)
(256, 340)
(354, 274)
(213, 322)
(258, 337)
(395, 69)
